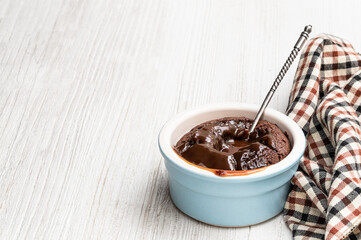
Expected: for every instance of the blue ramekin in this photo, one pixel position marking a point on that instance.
(236, 200)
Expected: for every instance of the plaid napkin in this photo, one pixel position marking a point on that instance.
(325, 198)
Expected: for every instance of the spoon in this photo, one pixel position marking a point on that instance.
(298, 46)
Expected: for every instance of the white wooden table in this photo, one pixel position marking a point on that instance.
(86, 86)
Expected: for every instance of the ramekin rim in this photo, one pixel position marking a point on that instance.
(296, 153)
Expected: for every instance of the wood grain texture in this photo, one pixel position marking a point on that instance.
(86, 86)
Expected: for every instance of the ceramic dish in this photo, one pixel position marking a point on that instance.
(235, 200)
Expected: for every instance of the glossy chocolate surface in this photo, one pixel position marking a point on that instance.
(226, 144)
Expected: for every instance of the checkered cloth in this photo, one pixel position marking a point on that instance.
(325, 198)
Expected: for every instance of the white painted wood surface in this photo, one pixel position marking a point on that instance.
(86, 86)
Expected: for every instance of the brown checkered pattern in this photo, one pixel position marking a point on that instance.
(325, 199)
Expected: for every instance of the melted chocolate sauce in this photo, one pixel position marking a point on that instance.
(225, 144)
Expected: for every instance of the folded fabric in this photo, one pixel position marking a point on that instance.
(325, 198)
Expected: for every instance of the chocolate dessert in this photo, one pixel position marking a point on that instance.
(226, 144)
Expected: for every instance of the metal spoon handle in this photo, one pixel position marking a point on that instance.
(298, 46)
